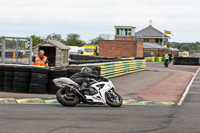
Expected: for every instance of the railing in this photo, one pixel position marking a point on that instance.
(107, 37)
(112, 37)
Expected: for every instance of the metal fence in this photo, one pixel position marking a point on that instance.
(106, 37)
(112, 37)
(16, 50)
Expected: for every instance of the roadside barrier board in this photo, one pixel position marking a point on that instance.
(154, 59)
(114, 69)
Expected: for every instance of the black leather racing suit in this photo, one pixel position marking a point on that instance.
(83, 78)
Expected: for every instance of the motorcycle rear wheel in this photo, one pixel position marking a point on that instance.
(62, 99)
(111, 102)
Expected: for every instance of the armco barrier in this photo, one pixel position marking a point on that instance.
(113, 69)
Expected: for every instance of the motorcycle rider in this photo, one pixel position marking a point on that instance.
(83, 78)
(166, 57)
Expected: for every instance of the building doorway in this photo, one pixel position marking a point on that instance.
(50, 52)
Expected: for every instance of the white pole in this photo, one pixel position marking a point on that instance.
(163, 38)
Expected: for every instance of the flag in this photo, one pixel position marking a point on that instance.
(167, 32)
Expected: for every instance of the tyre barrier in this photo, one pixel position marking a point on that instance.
(35, 79)
(8, 78)
(186, 61)
(77, 62)
(1, 78)
(88, 57)
(74, 69)
(113, 69)
(154, 59)
(55, 73)
(21, 79)
(39, 80)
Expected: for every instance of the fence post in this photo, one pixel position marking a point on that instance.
(16, 53)
(3, 43)
(30, 51)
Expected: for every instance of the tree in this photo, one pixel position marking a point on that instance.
(185, 47)
(37, 39)
(55, 36)
(74, 40)
(96, 40)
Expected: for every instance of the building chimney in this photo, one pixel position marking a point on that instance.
(150, 23)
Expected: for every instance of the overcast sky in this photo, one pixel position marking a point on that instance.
(89, 18)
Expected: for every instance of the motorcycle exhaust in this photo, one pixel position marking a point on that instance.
(76, 91)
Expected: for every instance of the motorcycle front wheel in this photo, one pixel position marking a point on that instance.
(113, 99)
(67, 98)
(166, 64)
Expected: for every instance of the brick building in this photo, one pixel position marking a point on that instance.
(154, 41)
(120, 48)
(123, 44)
(144, 43)
(154, 50)
(152, 35)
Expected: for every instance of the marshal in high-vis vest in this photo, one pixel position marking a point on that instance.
(40, 59)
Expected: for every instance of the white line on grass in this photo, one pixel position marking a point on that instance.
(187, 89)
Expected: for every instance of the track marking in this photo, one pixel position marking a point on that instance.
(187, 88)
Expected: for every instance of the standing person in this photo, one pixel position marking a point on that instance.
(40, 59)
(170, 57)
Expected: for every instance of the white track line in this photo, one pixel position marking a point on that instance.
(187, 89)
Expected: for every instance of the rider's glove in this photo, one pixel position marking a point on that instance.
(100, 77)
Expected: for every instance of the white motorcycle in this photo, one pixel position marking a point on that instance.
(100, 91)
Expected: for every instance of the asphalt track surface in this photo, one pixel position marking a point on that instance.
(54, 118)
(172, 67)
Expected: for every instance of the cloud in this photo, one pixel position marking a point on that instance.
(90, 18)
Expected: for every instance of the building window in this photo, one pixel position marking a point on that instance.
(121, 32)
(129, 32)
(125, 32)
(117, 31)
(158, 40)
(148, 54)
(152, 53)
(145, 40)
